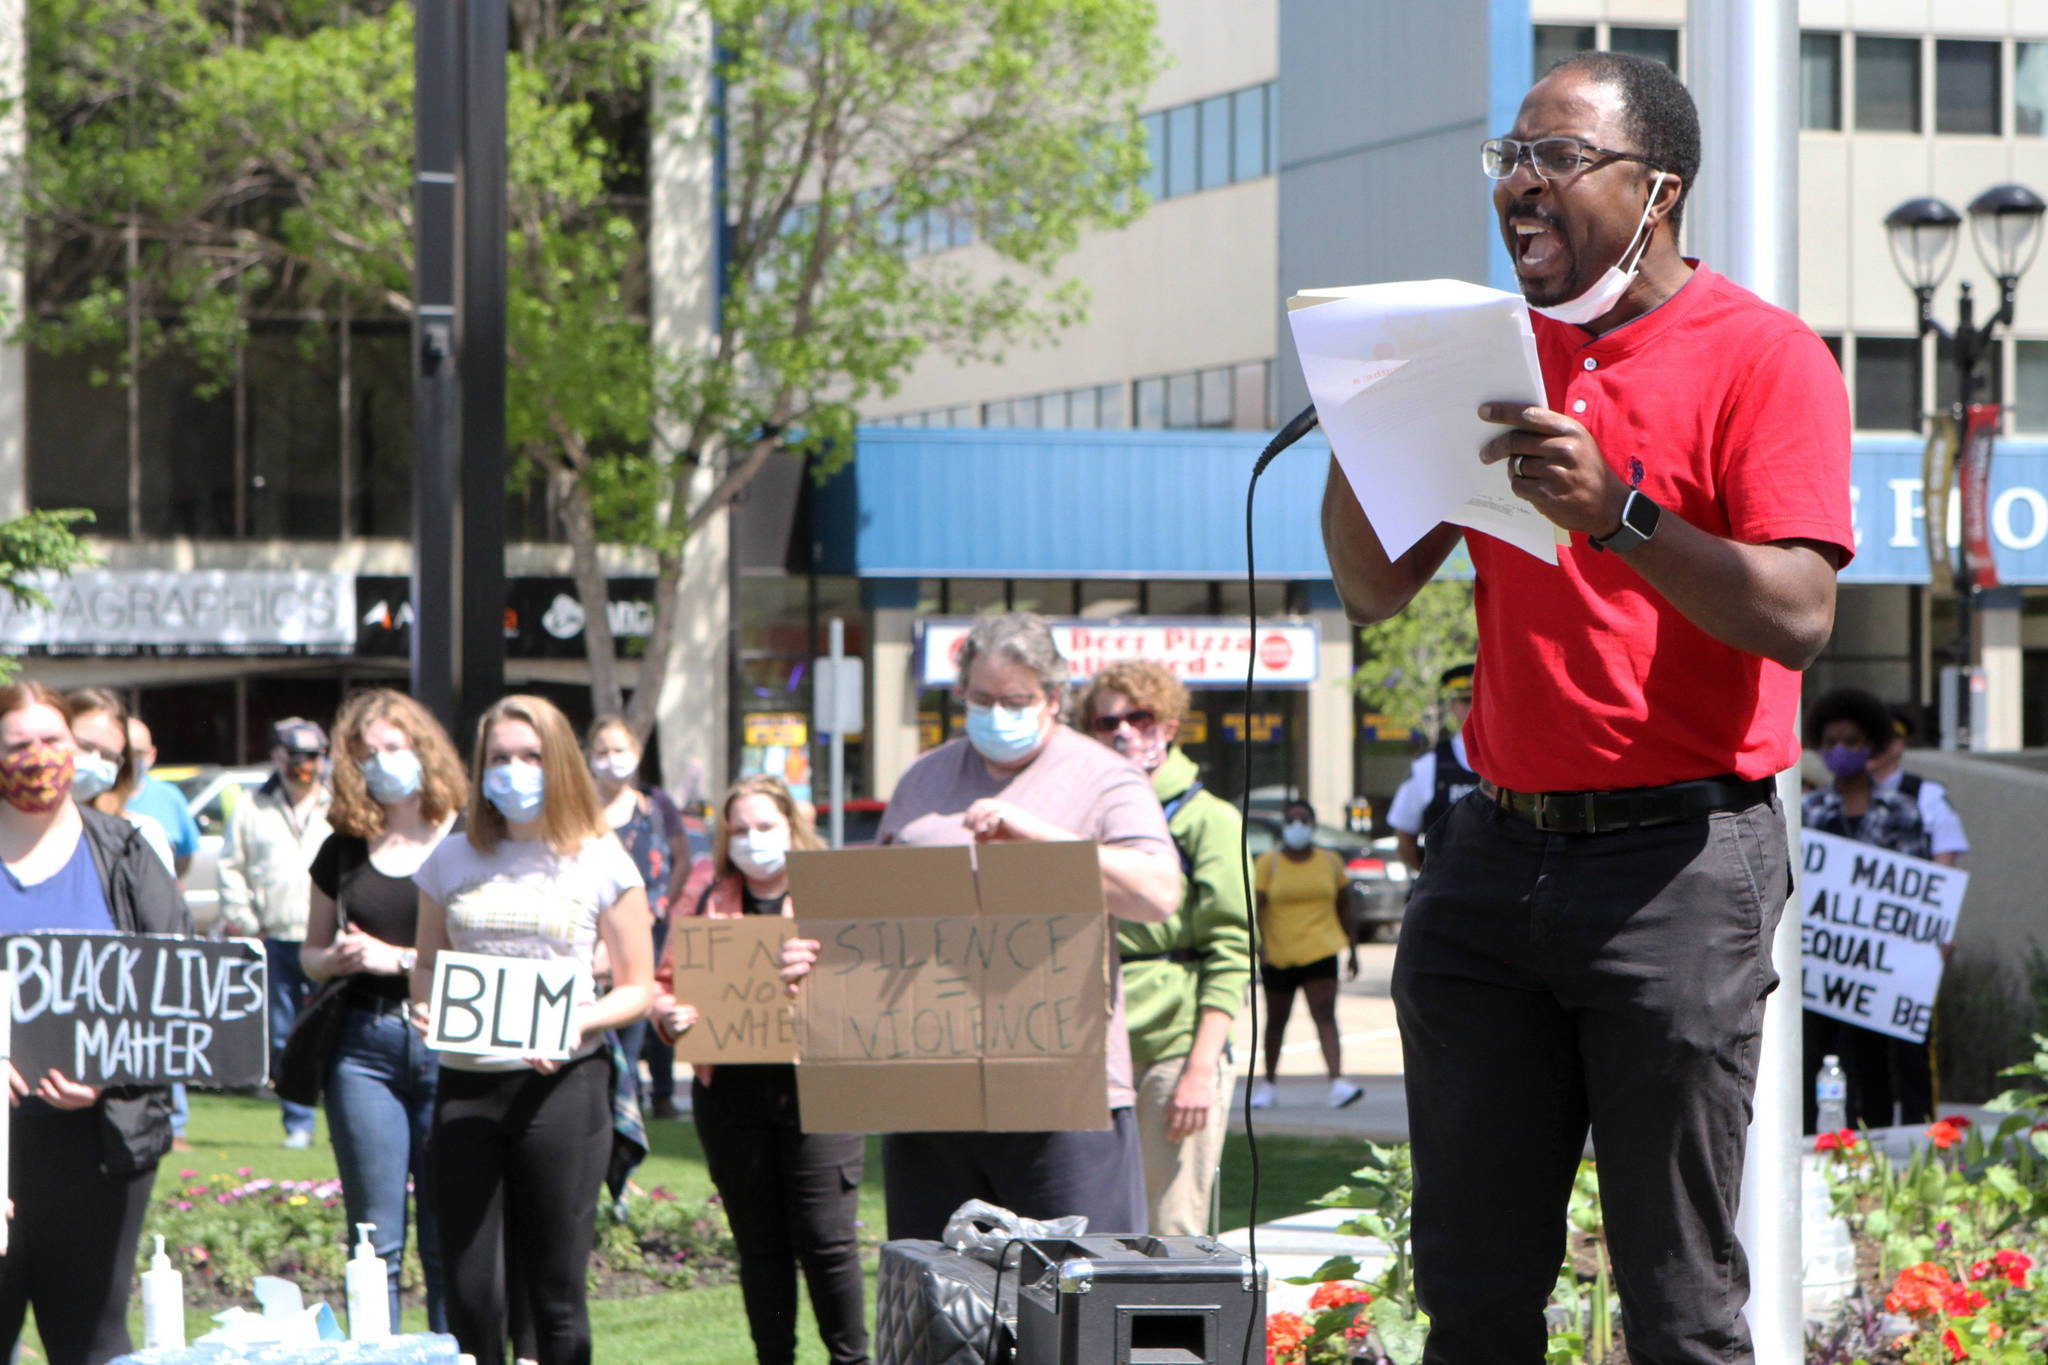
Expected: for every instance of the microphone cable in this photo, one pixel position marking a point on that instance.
(1302, 423)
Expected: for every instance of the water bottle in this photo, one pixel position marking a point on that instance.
(369, 1290)
(1831, 1095)
(163, 1304)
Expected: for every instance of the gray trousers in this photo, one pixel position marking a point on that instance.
(1549, 983)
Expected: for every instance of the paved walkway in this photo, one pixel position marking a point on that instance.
(1371, 1058)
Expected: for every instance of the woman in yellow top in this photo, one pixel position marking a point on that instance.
(1305, 920)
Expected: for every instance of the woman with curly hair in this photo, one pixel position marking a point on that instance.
(398, 785)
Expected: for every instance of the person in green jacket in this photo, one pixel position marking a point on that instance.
(1185, 978)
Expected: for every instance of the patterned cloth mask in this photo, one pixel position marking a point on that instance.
(36, 777)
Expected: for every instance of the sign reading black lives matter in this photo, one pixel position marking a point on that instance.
(132, 1009)
(506, 1007)
(1872, 931)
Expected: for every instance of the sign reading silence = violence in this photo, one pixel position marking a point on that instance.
(131, 1009)
(1872, 930)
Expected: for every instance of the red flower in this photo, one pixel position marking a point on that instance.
(1961, 1301)
(2014, 1265)
(1285, 1332)
(1955, 1348)
(1337, 1293)
(1827, 1142)
(1919, 1291)
(1979, 1269)
(1957, 1120)
(1944, 1134)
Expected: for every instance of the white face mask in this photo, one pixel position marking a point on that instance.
(92, 775)
(1296, 835)
(759, 853)
(1598, 301)
(621, 764)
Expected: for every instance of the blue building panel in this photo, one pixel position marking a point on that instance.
(977, 503)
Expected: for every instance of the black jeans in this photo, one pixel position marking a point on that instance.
(791, 1197)
(926, 1176)
(1548, 982)
(517, 1158)
(71, 1249)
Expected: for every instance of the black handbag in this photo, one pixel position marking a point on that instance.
(309, 1047)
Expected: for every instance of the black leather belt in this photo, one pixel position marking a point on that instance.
(1632, 808)
(380, 1004)
(1176, 955)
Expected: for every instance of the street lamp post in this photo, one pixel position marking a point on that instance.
(2005, 222)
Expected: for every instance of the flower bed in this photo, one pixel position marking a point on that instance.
(1947, 1244)
(225, 1230)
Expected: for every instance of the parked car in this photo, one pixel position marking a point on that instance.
(1379, 879)
(211, 792)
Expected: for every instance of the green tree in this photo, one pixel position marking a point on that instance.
(33, 545)
(195, 161)
(1405, 655)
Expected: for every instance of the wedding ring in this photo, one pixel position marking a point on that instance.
(1515, 466)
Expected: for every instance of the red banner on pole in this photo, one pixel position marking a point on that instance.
(1980, 428)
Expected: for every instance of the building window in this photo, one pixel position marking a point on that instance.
(1555, 42)
(1888, 85)
(1181, 150)
(1153, 182)
(2030, 387)
(1052, 412)
(1834, 345)
(1966, 95)
(1820, 81)
(1990, 369)
(1181, 393)
(1248, 132)
(1661, 44)
(1215, 397)
(2030, 89)
(1214, 122)
(1888, 383)
(1148, 396)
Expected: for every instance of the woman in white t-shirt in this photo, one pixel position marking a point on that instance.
(520, 1145)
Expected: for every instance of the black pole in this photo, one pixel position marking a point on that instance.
(480, 342)
(435, 80)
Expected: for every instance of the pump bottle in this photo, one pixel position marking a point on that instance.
(163, 1303)
(369, 1290)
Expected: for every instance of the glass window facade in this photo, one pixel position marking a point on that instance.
(1887, 85)
(2030, 89)
(2030, 386)
(1659, 44)
(1820, 81)
(1966, 87)
(1888, 383)
(1209, 143)
(1555, 42)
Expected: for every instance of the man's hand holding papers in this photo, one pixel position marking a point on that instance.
(1398, 372)
(1556, 467)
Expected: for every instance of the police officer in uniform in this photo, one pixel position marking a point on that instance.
(1438, 779)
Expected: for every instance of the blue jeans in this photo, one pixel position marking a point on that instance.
(380, 1109)
(289, 987)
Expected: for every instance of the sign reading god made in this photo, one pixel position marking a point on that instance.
(730, 969)
(509, 1007)
(133, 1009)
(1872, 931)
(956, 989)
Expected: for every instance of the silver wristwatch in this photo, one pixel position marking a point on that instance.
(1638, 523)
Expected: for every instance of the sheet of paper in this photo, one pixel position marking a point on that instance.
(1397, 373)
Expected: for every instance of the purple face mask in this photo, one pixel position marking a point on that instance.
(1845, 762)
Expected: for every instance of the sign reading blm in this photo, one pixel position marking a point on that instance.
(1872, 932)
(505, 1007)
(131, 1009)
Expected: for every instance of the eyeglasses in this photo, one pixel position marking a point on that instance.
(1552, 158)
(303, 755)
(1139, 719)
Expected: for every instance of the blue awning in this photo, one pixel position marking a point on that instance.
(981, 503)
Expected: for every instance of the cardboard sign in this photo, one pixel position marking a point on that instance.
(136, 1009)
(1872, 931)
(956, 989)
(730, 970)
(509, 1007)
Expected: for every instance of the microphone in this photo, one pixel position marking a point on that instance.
(1302, 424)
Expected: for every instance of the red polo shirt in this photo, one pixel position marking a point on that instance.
(1730, 413)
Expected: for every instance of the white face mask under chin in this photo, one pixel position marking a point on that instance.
(1598, 301)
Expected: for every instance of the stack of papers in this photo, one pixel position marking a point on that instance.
(1397, 373)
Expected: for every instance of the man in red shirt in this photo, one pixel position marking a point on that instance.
(1589, 942)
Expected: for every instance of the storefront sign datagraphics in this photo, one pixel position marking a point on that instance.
(193, 611)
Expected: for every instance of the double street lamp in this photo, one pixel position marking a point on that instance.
(2005, 222)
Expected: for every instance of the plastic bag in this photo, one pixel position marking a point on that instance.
(981, 1230)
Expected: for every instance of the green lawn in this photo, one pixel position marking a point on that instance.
(700, 1326)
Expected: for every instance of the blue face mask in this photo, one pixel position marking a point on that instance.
(92, 775)
(516, 789)
(392, 775)
(1002, 735)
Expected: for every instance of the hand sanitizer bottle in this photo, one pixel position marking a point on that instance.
(163, 1304)
(369, 1290)
(1831, 1095)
